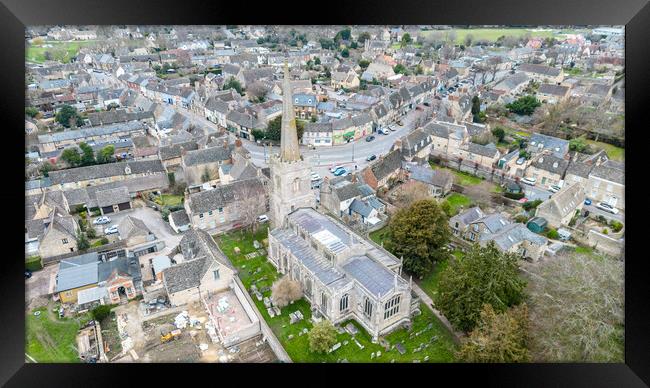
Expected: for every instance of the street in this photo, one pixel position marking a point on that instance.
(594, 211)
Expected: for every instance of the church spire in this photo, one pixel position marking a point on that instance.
(289, 149)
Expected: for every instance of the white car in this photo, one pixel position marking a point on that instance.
(529, 181)
(607, 207)
(111, 230)
(102, 220)
(315, 176)
(554, 188)
(333, 169)
(520, 161)
(392, 128)
(262, 219)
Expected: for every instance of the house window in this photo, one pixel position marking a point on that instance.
(220, 210)
(64, 241)
(367, 308)
(215, 273)
(343, 304)
(392, 306)
(210, 213)
(472, 236)
(201, 215)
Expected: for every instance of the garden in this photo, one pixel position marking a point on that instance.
(426, 341)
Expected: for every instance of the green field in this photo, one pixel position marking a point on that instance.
(431, 331)
(50, 339)
(492, 34)
(60, 51)
(614, 152)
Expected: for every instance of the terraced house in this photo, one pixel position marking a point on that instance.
(81, 177)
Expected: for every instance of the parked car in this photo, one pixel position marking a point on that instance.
(315, 176)
(370, 138)
(587, 201)
(263, 218)
(520, 161)
(102, 220)
(383, 131)
(392, 128)
(340, 172)
(111, 230)
(529, 181)
(28, 274)
(333, 169)
(554, 188)
(607, 207)
(400, 123)
(371, 158)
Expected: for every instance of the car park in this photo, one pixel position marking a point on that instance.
(371, 158)
(370, 138)
(529, 181)
(111, 230)
(102, 220)
(607, 207)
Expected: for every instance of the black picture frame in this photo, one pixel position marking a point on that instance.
(635, 15)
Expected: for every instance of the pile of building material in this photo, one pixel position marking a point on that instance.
(212, 331)
(183, 320)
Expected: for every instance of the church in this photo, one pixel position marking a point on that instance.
(343, 275)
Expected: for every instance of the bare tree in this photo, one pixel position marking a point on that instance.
(285, 291)
(576, 309)
(250, 202)
(411, 192)
(256, 91)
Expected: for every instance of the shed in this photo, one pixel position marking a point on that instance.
(537, 224)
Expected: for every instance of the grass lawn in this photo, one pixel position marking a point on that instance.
(492, 34)
(60, 51)
(33, 263)
(380, 235)
(262, 273)
(50, 339)
(461, 178)
(614, 152)
(430, 282)
(457, 200)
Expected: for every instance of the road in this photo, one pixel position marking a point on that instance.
(594, 211)
(348, 155)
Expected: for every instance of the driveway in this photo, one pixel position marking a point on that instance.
(154, 222)
(42, 283)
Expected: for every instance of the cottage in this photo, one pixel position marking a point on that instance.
(387, 167)
(547, 170)
(562, 207)
(516, 238)
(438, 182)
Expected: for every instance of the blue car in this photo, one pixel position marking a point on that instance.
(587, 201)
(340, 171)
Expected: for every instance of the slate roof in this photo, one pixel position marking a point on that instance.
(550, 163)
(493, 222)
(224, 195)
(415, 141)
(103, 130)
(180, 217)
(175, 150)
(87, 195)
(489, 150)
(554, 90)
(426, 174)
(113, 196)
(77, 276)
(361, 207)
(131, 227)
(539, 69)
(609, 172)
(513, 234)
(372, 276)
(559, 147)
(185, 275)
(579, 169)
(347, 191)
(468, 216)
(387, 165)
(564, 202)
(105, 171)
(511, 81)
(128, 266)
(207, 155)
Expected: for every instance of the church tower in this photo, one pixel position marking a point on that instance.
(290, 174)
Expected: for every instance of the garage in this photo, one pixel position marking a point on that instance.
(113, 200)
(124, 206)
(107, 209)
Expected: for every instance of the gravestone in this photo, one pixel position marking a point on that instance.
(400, 348)
(257, 244)
(350, 328)
(237, 250)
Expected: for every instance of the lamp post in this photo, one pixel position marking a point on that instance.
(353, 149)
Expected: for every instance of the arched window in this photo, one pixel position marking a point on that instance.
(296, 185)
(343, 304)
(308, 287)
(367, 308)
(323, 301)
(392, 306)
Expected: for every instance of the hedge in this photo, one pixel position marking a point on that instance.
(515, 196)
(33, 263)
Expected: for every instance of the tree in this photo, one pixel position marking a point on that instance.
(468, 40)
(317, 61)
(524, 105)
(364, 63)
(71, 156)
(578, 144)
(345, 53)
(31, 111)
(322, 337)
(45, 168)
(256, 92)
(418, 234)
(91, 233)
(498, 337)
(406, 39)
(100, 313)
(499, 133)
(576, 306)
(400, 69)
(418, 70)
(112, 106)
(476, 106)
(411, 192)
(82, 241)
(106, 154)
(273, 129)
(88, 156)
(233, 83)
(344, 34)
(68, 116)
(285, 291)
(363, 37)
(485, 275)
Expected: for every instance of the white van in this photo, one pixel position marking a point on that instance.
(383, 131)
